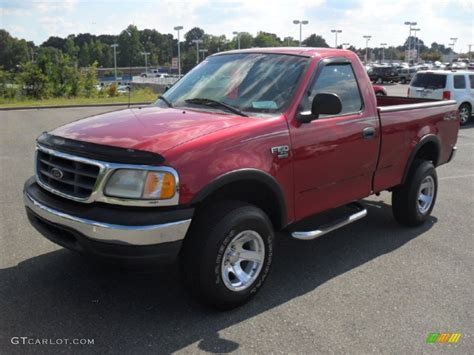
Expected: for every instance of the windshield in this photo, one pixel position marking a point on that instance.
(254, 82)
(429, 81)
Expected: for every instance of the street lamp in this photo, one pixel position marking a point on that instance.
(367, 39)
(383, 51)
(178, 28)
(336, 32)
(203, 51)
(301, 23)
(409, 23)
(114, 46)
(197, 41)
(238, 38)
(416, 44)
(345, 45)
(146, 54)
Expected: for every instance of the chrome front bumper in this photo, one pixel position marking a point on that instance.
(111, 233)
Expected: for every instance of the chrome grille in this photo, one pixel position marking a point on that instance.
(69, 177)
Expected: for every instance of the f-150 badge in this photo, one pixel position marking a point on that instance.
(281, 151)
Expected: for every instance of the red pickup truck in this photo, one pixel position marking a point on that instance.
(248, 143)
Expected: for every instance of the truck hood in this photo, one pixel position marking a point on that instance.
(151, 129)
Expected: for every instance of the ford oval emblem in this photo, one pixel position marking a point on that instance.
(57, 173)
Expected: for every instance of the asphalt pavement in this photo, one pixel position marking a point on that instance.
(371, 287)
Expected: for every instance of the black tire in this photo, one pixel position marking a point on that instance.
(465, 112)
(403, 81)
(379, 80)
(405, 199)
(211, 233)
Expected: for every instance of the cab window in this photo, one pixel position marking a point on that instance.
(337, 79)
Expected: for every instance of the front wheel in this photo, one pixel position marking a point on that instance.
(464, 113)
(227, 254)
(403, 81)
(413, 202)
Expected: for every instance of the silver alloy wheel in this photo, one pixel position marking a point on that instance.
(464, 114)
(426, 194)
(243, 260)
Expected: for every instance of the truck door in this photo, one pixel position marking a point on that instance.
(335, 156)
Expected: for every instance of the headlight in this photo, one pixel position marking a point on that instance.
(141, 184)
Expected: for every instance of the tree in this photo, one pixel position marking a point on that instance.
(192, 34)
(265, 39)
(55, 42)
(33, 81)
(130, 47)
(89, 80)
(13, 51)
(84, 56)
(315, 41)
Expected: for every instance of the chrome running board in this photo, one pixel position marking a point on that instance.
(361, 212)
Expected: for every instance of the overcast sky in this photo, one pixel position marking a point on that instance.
(438, 19)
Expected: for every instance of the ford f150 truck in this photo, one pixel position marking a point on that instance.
(247, 144)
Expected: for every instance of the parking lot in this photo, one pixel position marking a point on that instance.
(373, 286)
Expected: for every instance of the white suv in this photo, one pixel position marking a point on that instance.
(446, 85)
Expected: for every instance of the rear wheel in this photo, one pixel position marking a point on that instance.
(403, 81)
(465, 113)
(227, 254)
(413, 202)
(379, 80)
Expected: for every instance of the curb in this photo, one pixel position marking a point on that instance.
(71, 106)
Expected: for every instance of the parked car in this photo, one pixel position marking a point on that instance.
(380, 75)
(446, 85)
(406, 74)
(252, 143)
(379, 90)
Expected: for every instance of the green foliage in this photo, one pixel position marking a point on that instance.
(8, 87)
(33, 81)
(265, 39)
(315, 41)
(13, 51)
(89, 81)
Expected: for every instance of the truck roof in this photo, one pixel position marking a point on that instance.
(300, 51)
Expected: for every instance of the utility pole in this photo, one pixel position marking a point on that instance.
(197, 41)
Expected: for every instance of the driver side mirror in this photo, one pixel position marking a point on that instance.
(323, 104)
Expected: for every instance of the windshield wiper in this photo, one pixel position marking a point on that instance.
(161, 97)
(215, 103)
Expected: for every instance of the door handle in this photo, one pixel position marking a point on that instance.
(368, 133)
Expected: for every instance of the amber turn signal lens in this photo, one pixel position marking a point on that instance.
(159, 185)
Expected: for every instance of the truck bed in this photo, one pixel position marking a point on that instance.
(404, 121)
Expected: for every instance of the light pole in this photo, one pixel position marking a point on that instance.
(415, 42)
(301, 23)
(454, 39)
(345, 45)
(336, 32)
(383, 51)
(197, 41)
(203, 51)
(114, 46)
(238, 38)
(178, 28)
(146, 54)
(469, 50)
(367, 39)
(409, 23)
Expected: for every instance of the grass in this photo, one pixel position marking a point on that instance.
(141, 95)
